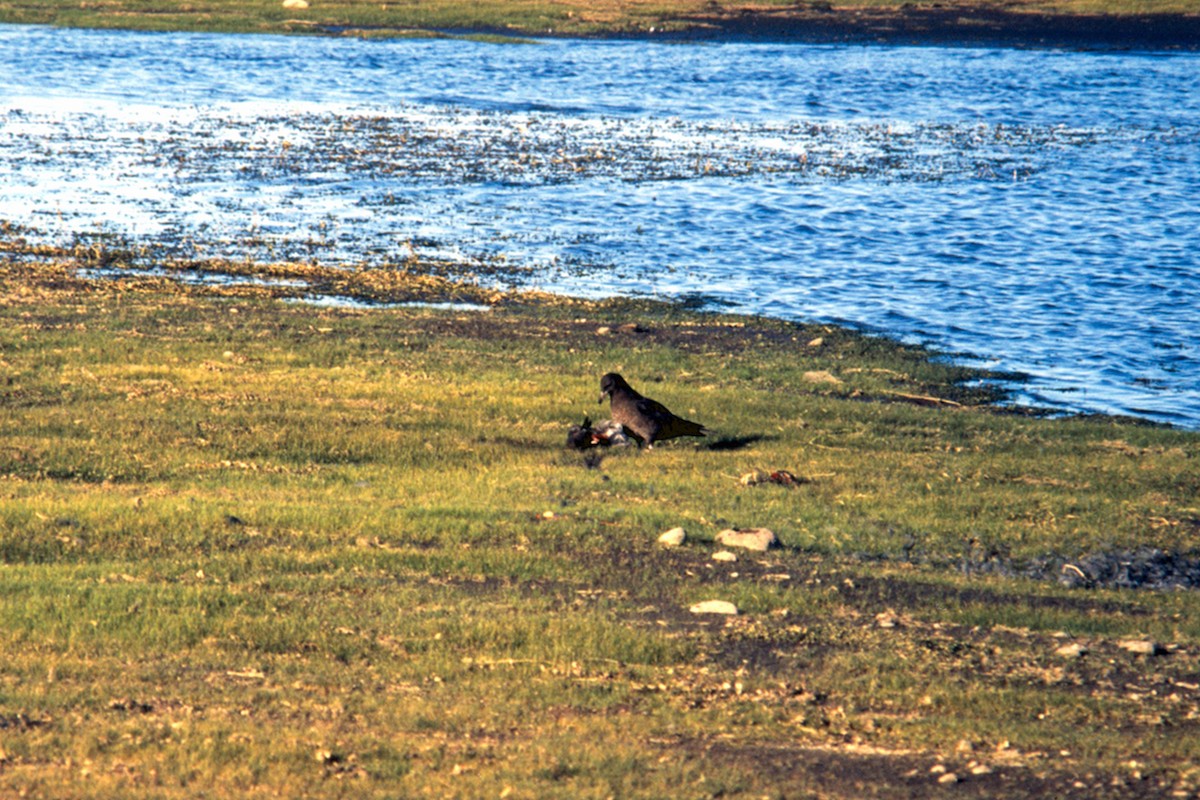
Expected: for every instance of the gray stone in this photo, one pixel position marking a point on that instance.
(761, 539)
(673, 538)
(1072, 650)
(714, 607)
(1143, 647)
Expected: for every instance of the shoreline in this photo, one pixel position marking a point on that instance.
(952, 24)
(1003, 392)
(981, 26)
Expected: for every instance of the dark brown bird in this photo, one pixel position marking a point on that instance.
(646, 420)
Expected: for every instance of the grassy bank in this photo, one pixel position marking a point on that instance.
(252, 547)
(1032, 20)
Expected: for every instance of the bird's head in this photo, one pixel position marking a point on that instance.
(610, 383)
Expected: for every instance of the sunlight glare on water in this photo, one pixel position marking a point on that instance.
(1033, 209)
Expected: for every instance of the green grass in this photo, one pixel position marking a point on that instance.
(254, 548)
(437, 17)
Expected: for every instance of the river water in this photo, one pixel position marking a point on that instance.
(1034, 211)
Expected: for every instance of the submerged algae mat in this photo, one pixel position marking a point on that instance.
(253, 547)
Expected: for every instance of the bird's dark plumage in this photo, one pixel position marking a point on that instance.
(644, 419)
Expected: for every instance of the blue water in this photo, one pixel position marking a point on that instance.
(1032, 210)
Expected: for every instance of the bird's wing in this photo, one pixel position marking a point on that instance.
(653, 409)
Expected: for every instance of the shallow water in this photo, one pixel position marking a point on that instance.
(1036, 209)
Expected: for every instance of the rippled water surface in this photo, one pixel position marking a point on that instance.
(1039, 210)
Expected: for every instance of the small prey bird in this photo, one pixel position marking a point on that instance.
(646, 420)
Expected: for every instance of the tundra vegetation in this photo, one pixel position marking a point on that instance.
(574, 17)
(257, 547)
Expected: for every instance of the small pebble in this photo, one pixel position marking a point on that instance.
(761, 539)
(673, 538)
(1142, 647)
(821, 376)
(714, 607)
(887, 619)
(1072, 650)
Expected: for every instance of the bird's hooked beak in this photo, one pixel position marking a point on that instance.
(602, 396)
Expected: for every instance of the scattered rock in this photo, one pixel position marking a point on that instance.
(295, 4)
(723, 555)
(1072, 650)
(628, 327)
(887, 619)
(948, 778)
(760, 539)
(821, 376)
(673, 538)
(1145, 567)
(1142, 647)
(817, 342)
(714, 607)
(1142, 568)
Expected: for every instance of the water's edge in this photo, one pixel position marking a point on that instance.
(1028, 207)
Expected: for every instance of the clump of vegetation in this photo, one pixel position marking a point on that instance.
(258, 548)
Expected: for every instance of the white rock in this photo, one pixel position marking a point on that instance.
(723, 555)
(821, 376)
(714, 607)
(295, 4)
(1072, 650)
(1142, 647)
(761, 539)
(673, 537)
(888, 619)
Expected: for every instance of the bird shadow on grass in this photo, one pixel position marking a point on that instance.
(734, 442)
